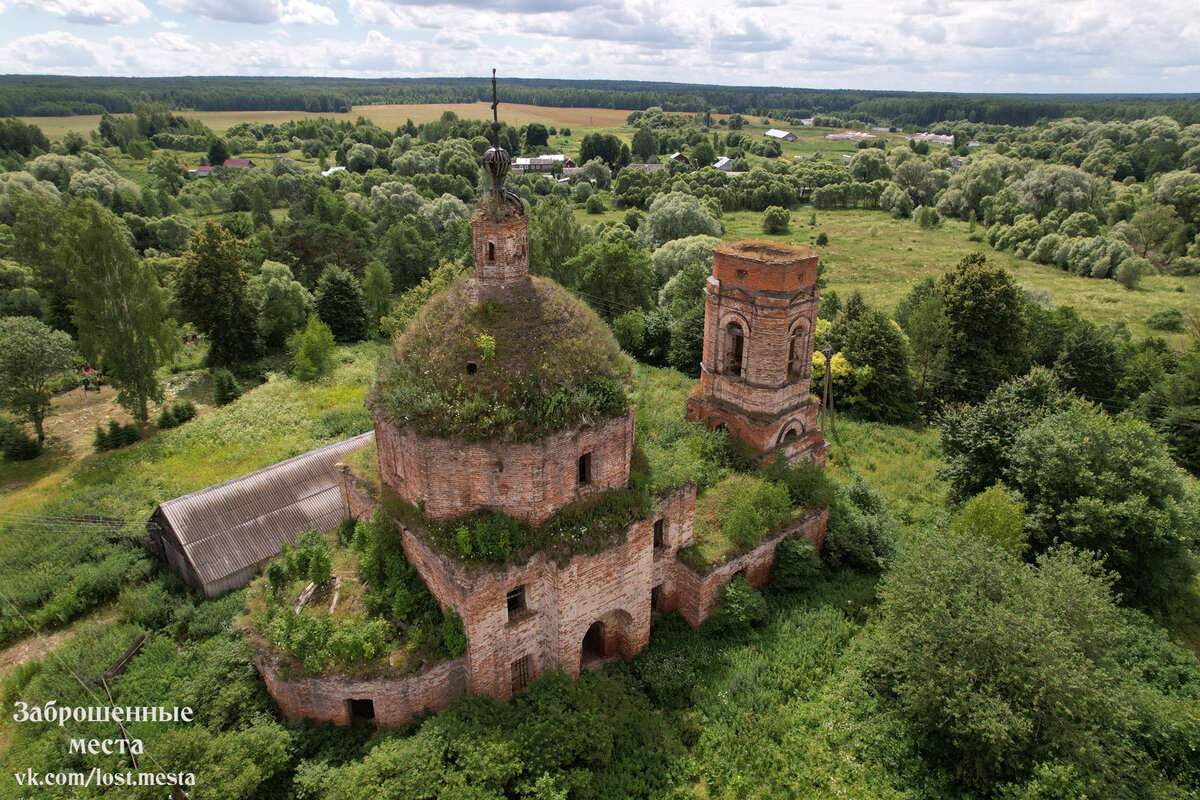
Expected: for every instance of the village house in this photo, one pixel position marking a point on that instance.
(783, 136)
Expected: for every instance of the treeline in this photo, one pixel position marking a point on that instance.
(52, 95)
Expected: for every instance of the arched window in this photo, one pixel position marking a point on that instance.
(798, 350)
(735, 349)
(491, 251)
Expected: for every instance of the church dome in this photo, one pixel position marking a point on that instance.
(535, 362)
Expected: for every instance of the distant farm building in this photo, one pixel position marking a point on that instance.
(647, 168)
(850, 136)
(932, 138)
(219, 537)
(724, 163)
(680, 158)
(525, 165)
(784, 136)
(237, 163)
(331, 170)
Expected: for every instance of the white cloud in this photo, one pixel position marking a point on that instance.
(256, 11)
(90, 12)
(303, 12)
(53, 49)
(374, 12)
(948, 45)
(174, 43)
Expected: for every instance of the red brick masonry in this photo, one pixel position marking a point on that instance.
(616, 588)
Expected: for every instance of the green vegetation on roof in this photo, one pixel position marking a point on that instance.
(540, 362)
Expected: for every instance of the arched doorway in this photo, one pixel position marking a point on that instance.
(594, 644)
(605, 639)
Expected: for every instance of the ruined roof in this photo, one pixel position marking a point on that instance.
(550, 364)
(227, 527)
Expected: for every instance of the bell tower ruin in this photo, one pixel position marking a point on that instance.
(760, 316)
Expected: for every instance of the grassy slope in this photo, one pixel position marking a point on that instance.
(274, 421)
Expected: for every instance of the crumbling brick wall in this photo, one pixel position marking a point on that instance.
(396, 700)
(523, 480)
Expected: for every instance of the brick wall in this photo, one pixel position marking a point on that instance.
(699, 595)
(769, 291)
(396, 700)
(523, 480)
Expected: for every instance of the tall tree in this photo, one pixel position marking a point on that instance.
(555, 237)
(37, 232)
(217, 152)
(119, 308)
(213, 293)
(377, 294)
(986, 341)
(340, 305)
(30, 355)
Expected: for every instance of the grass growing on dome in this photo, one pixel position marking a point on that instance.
(540, 362)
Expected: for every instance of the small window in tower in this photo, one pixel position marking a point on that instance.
(742, 274)
(660, 533)
(796, 355)
(585, 469)
(735, 345)
(472, 367)
(491, 251)
(516, 601)
(521, 669)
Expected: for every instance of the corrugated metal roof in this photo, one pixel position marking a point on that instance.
(228, 527)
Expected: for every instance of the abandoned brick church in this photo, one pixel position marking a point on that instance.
(522, 620)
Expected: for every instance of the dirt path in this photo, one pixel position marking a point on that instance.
(33, 646)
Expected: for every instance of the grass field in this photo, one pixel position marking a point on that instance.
(884, 257)
(385, 116)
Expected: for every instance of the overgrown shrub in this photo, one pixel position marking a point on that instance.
(116, 435)
(15, 444)
(1169, 320)
(822, 239)
(797, 564)
(453, 635)
(861, 533)
(741, 605)
(776, 220)
(226, 389)
(175, 415)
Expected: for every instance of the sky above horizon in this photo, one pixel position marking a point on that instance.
(921, 45)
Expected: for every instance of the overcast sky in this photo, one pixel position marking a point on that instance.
(950, 45)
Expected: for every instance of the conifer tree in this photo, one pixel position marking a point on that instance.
(212, 292)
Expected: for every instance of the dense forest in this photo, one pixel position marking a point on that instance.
(48, 95)
(1006, 605)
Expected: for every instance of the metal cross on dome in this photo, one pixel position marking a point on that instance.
(495, 112)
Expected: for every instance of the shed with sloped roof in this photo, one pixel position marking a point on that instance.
(218, 538)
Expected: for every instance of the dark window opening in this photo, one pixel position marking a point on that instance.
(741, 573)
(656, 598)
(735, 345)
(796, 355)
(659, 533)
(491, 251)
(791, 435)
(362, 712)
(585, 469)
(516, 601)
(593, 642)
(521, 669)
(742, 274)
(472, 367)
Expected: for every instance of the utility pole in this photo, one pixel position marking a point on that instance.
(827, 390)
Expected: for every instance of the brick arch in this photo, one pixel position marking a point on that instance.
(794, 430)
(607, 636)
